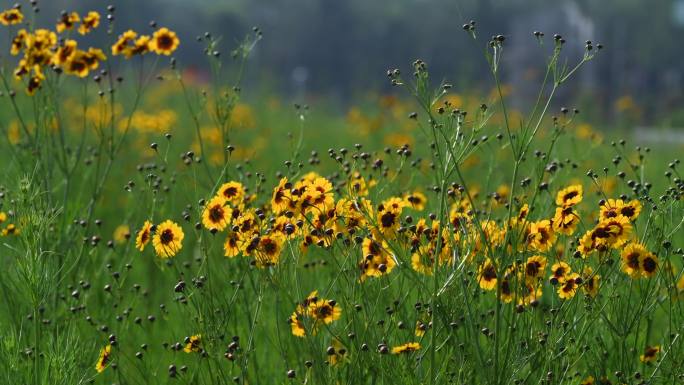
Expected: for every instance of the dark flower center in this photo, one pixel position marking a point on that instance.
(166, 236)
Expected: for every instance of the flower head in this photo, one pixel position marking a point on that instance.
(164, 42)
(168, 239)
(11, 17)
(105, 357)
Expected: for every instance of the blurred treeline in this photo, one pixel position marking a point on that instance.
(339, 48)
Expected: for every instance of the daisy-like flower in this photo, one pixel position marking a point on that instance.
(541, 235)
(216, 215)
(281, 196)
(588, 381)
(65, 52)
(164, 41)
(193, 344)
(168, 239)
(144, 235)
(296, 325)
(11, 17)
(565, 220)
(104, 359)
(232, 245)
(317, 310)
(376, 260)
(233, 192)
(90, 22)
(560, 271)
(122, 45)
(416, 200)
(82, 62)
(613, 208)
(318, 195)
(486, 275)
(569, 196)
(648, 264)
(406, 348)
(388, 215)
(141, 46)
(10, 229)
(635, 257)
(121, 234)
(569, 286)
(67, 21)
(535, 267)
(267, 250)
(650, 353)
(18, 42)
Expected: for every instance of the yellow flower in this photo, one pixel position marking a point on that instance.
(10, 229)
(560, 271)
(541, 236)
(569, 196)
(67, 21)
(11, 17)
(535, 267)
(282, 196)
(650, 353)
(637, 261)
(65, 52)
(376, 259)
(486, 275)
(18, 42)
(233, 192)
(565, 220)
(613, 208)
(193, 344)
(90, 22)
(568, 287)
(143, 237)
(648, 264)
(232, 245)
(318, 310)
(406, 348)
(168, 239)
(141, 46)
(105, 357)
(122, 233)
(267, 249)
(216, 215)
(588, 381)
(415, 200)
(122, 45)
(164, 42)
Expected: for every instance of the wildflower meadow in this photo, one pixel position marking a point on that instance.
(159, 227)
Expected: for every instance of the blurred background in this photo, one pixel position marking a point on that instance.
(339, 50)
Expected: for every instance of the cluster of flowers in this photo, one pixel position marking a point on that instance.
(306, 214)
(45, 48)
(9, 228)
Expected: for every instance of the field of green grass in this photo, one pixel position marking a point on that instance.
(158, 228)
